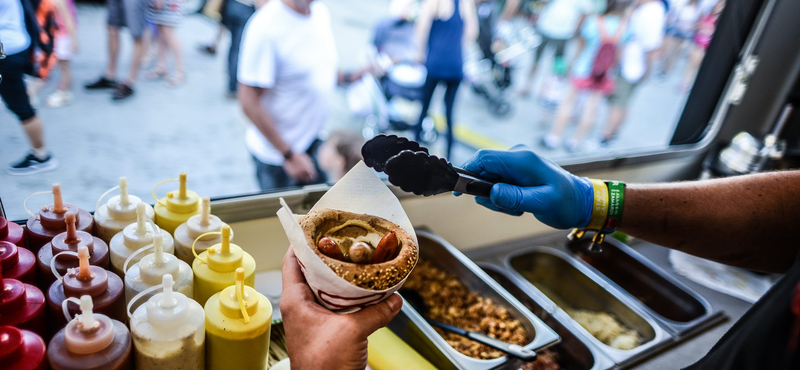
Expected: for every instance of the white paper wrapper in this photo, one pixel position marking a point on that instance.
(730, 280)
(359, 191)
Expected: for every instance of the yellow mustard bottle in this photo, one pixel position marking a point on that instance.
(175, 208)
(238, 323)
(215, 268)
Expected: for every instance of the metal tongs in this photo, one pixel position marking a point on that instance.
(411, 167)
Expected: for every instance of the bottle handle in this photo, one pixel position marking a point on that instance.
(97, 205)
(58, 276)
(194, 252)
(25, 202)
(156, 187)
(156, 231)
(64, 308)
(139, 296)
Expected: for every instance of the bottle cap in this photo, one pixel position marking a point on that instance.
(86, 279)
(3, 228)
(225, 256)
(182, 200)
(72, 239)
(11, 343)
(123, 206)
(12, 295)
(52, 216)
(168, 308)
(140, 233)
(9, 255)
(239, 301)
(204, 222)
(155, 265)
(88, 332)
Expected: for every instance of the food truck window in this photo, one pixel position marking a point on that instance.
(608, 84)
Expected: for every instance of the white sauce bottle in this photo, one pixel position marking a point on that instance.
(149, 271)
(197, 225)
(135, 236)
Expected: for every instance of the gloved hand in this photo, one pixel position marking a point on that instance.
(527, 182)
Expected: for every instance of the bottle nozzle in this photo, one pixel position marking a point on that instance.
(206, 211)
(182, 186)
(123, 191)
(72, 231)
(87, 315)
(158, 246)
(226, 240)
(167, 300)
(239, 275)
(58, 201)
(84, 273)
(141, 219)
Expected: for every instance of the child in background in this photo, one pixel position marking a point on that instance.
(65, 48)
(340, 153)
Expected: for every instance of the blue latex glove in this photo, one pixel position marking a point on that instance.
(527, 182)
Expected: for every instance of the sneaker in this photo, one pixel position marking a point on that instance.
(32, 164)
(550, 141)
(572, 145)
(207, 49)
(59, 99)
(101, 83)
(122, 91)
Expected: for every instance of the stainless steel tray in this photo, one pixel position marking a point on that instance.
(577, 286)
(451, 260)
(573, 353)
(420, 339)
(676, 306)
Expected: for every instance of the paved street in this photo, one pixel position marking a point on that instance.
(194, 128)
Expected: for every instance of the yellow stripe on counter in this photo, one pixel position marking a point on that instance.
(468, 136)
(386, 351)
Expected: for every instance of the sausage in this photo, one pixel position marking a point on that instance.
(330, 248)
(387, 248)
(360, 252)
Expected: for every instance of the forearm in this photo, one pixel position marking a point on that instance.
(743, 221)
(248, 99)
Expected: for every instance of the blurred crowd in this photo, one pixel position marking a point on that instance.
(282, 66)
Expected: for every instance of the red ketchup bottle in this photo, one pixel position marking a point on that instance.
(49, 222)
(22, 306)
(69, 241)
(12, 233)
(18, 263)
(21, 350)
(105, 288)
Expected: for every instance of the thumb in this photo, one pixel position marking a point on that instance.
(518, 199)
(379, 315)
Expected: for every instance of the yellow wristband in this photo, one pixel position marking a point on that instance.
(599, 205)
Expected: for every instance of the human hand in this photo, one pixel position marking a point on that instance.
(300, 167)
(317, 338)
(527, 182)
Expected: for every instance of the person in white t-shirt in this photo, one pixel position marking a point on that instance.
(636, 62)
(287, 76)
(681, 26)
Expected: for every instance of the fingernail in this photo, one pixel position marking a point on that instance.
(394, 302)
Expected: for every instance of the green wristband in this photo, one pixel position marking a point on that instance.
(616, 200)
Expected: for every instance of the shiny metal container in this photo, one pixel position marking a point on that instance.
(563, 281)
(446, 257)
(676, 306)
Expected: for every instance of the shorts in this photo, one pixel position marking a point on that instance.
(623, 90)
(12, 89)
(558, 44)
(678, 33)
(63, 47)
(128, 13)
(605, 86)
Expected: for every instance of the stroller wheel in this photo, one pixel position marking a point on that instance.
(501, 108)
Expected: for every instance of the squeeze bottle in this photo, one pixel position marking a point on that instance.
(12, 233)
(22, 306)
(150, 270)
(237, 327)
(169, 331)
(18, 263)
(103, 287)
(90, 342)
(175, 208)
(21, 350)
(120, 210)
(49, 222)
(69, 241)
(215, 268)
(135, 236)
(197, 225)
